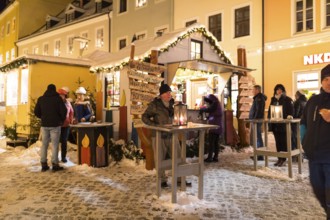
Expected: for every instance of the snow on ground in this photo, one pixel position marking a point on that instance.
(232, 190)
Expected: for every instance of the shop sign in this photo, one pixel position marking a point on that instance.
(137, 96)
(138, 109)
(144, 77)
(317, 58)
(152, 88)
(146, 67)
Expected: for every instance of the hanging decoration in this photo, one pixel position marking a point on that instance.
(14, 65)
(209, 38)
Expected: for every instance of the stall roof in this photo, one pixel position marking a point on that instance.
(107, 61)
(50, 59)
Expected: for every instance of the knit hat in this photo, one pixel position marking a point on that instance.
(325, 72)
(51, 87)
(62, 92)
(164, 88)
(81, 90)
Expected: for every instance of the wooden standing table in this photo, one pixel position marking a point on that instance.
(180, 169)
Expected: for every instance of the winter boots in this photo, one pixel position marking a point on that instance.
(44, 167)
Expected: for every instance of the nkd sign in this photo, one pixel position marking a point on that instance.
(317, 58)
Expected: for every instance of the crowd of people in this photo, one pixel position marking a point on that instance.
(57, 113)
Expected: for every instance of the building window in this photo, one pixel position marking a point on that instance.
(8, 28)
(70, 45)
(2, 31)
(307, 81)
(122, 6)
(141, 36)
(242, 21)
(7, 56)
(99, 37)
(2, 88)
(57, 48)
(69, 17)
(196, 49)
(304, 15)
(84, 45)
(112, 81)
(24, 85)
(45, 49)
(188, 23)
(14, 24)
(327, 13)
(161, 30)
(140, 3)
(13, 54)
(122, 43)
(215, 26)
(35, 50)
(12, 88)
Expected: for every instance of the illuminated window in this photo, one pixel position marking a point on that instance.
(304, 15)
(2, 88)
(70, 45)
(196, 48)
(45, 49)
(215, 26)
(308, 81)
(57, 48)
(99, 37)
(24, 86)
(140, 3)
(242, 21)
(12, 88)
(13, 53)
(112, 81)
(84, 45)
(35, 50)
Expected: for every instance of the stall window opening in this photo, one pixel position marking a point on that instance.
(196, 49)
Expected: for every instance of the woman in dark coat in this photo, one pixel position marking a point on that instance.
(279, 129)
(213, 107)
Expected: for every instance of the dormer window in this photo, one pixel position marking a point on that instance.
(51, 21)
(72, 12)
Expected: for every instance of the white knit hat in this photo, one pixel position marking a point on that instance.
(81, 90)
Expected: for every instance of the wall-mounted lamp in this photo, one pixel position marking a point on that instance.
(83, 44)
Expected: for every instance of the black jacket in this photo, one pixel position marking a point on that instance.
(287, 108)
(257, 110)
(51, 109)
(316, 142)
(299, 106)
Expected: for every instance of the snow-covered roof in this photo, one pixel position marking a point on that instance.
(51, 59)
(103, 61)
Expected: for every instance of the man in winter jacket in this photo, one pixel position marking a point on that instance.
(51, 109)
(316, 141)
(160, 112)
(257, 111)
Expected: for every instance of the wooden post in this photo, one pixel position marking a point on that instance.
(241, 61)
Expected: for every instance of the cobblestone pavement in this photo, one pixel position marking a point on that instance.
(127, 191)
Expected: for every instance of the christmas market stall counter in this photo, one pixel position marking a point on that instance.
(93, 143)
(267, 151)
(180, 169)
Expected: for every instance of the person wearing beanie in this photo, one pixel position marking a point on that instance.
(160, 111)
(51, 109)
(65, 129)
(315, 127)
(82, 108)
(279, 129)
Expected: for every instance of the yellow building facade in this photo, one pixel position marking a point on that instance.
(296, 44)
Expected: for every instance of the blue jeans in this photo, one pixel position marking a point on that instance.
(319, 175)
(50, 134)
